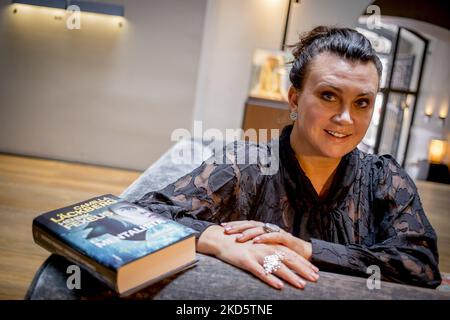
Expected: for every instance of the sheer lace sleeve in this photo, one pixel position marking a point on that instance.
(405, 246)
(216, 191)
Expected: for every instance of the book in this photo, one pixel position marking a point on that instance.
(125, 245)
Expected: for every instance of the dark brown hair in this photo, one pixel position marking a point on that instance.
(344, 42)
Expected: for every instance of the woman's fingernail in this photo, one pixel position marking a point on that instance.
(279, 284)
(301, 282)
(228, 228)
(315, 276)
(257, 239)
(223, 224)
(315, 268)
(239, 236)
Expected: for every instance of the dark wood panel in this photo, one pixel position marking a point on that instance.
(265, 114)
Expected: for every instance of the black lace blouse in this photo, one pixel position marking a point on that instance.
(372, 214)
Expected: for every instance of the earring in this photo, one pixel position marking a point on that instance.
(293, 115)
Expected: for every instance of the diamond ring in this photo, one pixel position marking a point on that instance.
(270, 227)
(272, 262)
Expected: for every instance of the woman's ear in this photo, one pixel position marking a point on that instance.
(293, 99)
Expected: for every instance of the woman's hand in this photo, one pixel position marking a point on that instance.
(250, 256)
(248, 229)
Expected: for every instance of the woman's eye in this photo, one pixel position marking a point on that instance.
(328, 96)
(362, 103)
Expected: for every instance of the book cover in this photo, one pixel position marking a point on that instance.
(105, 233)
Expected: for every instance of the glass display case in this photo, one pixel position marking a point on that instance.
(270, 74)
(266, 106)
(402, 53)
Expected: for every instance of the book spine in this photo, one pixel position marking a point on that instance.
(51, 243)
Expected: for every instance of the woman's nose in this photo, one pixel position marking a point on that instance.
(343, 117)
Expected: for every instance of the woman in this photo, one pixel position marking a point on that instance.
(337, 208)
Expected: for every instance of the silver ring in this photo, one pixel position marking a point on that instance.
(272, 262)
(270, 227)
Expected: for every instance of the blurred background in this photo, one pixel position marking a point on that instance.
(112, 91)
(107, 86)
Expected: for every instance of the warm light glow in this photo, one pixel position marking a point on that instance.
(443, 110)
(102, 18)
(429, 108)
(437, 150)
(28, 10)
(273, 2)
(409, 100)
(32, 12)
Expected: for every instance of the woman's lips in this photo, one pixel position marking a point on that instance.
(338, 135)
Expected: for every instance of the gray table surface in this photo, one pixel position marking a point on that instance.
(214, 279)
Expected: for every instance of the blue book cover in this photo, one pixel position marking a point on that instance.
(106, 232)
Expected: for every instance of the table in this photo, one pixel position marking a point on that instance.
(214, 279)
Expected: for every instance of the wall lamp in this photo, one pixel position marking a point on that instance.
(85, 6)
(428, 112)
(437, 150)
(443, 111)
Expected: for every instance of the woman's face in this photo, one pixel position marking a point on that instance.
(334, 107)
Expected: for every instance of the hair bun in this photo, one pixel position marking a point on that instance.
(307, 38)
